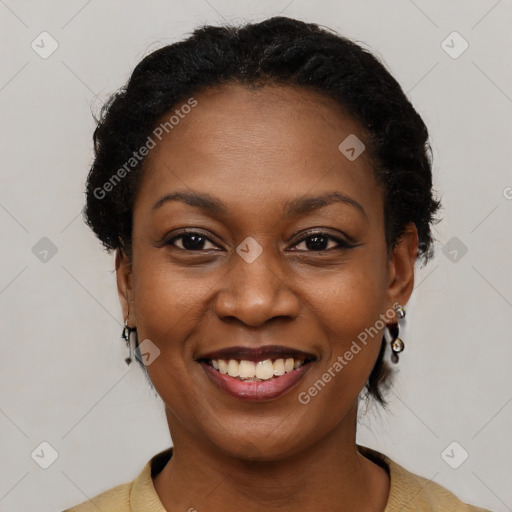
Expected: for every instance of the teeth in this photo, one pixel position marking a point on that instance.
(288, 365)
(247, 369)
(223, 366)
(264, 369)
(261, 370)
(278, 367)
(233, 368)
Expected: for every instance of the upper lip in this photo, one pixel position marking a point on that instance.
(257, 353)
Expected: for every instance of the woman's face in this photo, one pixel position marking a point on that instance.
(263, 264)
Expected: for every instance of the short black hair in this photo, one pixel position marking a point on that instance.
(276, 51)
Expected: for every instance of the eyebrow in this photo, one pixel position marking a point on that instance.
(292, 208)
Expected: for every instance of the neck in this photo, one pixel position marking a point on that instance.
(203, 478)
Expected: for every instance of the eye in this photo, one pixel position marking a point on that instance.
(316, 242)
(191, 241)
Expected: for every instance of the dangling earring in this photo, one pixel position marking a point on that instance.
(397, 345)
(129, 334)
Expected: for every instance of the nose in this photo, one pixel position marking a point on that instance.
(256, 292)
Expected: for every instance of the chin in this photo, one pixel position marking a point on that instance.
(251, 442)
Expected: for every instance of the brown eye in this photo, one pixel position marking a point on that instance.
(316, 242)
(191, 241)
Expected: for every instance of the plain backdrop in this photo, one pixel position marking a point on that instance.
(63, 380)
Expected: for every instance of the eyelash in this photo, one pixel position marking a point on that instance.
(342, 244)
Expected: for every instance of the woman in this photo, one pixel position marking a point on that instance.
(267, 191)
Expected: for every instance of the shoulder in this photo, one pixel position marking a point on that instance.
(116, 499)
(414, 492)
(411, 492)
(137, 495)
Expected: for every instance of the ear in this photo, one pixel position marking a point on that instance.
(401, 267)
(124, 286)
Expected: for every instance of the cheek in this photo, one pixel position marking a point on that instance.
(349, 309)
(167, 311)
(168, 303)
(350, 300)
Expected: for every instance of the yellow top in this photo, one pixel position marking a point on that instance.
(408, 492)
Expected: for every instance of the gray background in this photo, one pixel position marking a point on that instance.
(62, 375)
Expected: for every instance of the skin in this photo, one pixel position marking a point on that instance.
(255, 150)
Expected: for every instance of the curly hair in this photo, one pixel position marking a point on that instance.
(277, 51)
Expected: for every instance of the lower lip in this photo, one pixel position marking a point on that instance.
(256, 391)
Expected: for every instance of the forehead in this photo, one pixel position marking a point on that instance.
(254, 146)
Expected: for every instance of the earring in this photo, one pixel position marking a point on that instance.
(129, 334)
(397, 345)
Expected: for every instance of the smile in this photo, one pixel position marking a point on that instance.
(256, 374)
(251, 371)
